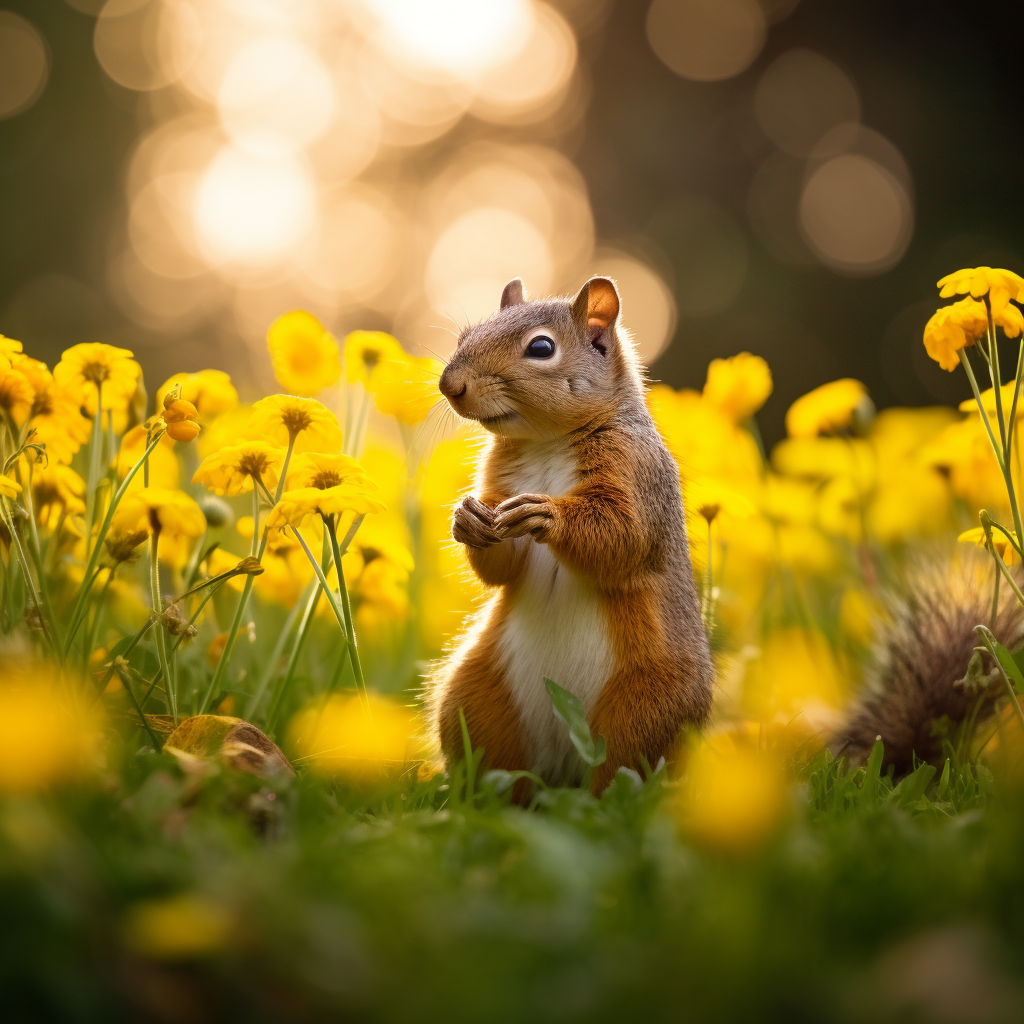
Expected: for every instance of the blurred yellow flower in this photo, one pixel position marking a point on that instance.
(9, 348)
(824, 458)
(360, 740)
(962, 451)
(365, 351)
(156, 509)
(739, 385)
(961, 324)
(796, 671)
(180, 927)
(707, 497)
(87, 367)
(163, 465)
(295, 505)
(283, 418)
(224, 430)
(304, 353)
(731, 800)
(1000, 542)
(828, 408)
(988, 401)
(912, 503)
(9, 488)
(407, 388)
(122, 542)
(860, 615)
(49, 733)
(55, 414)
(56, 489)
(210, 391)
(16, 395)
(232, 470)
(1000, 285)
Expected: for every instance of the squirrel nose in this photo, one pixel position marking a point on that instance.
(452, 384)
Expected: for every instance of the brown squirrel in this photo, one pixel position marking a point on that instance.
(578, 525)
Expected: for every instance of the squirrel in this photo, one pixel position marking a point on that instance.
(577, 525)
(922, 655)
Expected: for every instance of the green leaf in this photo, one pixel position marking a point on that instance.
(569, 709)
(912, 788)
(1018, 660)
(1009, 665)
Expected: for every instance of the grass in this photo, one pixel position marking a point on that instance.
(421, 904)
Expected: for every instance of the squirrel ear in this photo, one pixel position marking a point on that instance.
(513, 294)
(596, 308)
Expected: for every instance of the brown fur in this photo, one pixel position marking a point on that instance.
(621, 527)
(922, 655)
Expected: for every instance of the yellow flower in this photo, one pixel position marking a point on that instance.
(55, 414)
(232, 470)
(739, 385)
(365, 351)
(48, 735)
(9, 488)
(182, 420)
(163, 465)
(962, 451)
(16, 395)
(281, 418)
(303, 352)
(157, 509)
(224, 430)
(731, 800)
(56, 489)
(988, 401)
(1003, 545)
(9, 350)
(210, 391)
(961, 324)
(708, 496)
(999, 285)
(828, 408)
(364, 741)
(176, 928)
(797, 670)
(295, 505)
(824, 458)
(314, 469)
(407, 388)
(122, 541)
(84, 369)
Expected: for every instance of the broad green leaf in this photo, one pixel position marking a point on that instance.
(1008, 664)
(569, 709)
(913, 786)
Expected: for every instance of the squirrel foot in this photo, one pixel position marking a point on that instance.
(473, 523)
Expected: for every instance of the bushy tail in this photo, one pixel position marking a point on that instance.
(915, 694)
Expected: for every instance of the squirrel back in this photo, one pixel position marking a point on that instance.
(921, 659)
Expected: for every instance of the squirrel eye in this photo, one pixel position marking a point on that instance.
(542, 347)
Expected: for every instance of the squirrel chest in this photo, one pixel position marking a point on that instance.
(555, 627)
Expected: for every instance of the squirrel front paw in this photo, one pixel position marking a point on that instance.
(526, 514)
(473, 523)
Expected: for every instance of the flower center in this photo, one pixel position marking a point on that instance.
(96, 372)
(252, 463)
(371, 357)
(42, 404)
(295, 420)
(326, 478)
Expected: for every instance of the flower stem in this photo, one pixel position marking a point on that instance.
(161, 634)
(88, 577)
(95, 451)
(282, 638)
(346, 604)
(30, 583)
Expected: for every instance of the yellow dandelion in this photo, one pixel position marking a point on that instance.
(739, 385)
(284, 419)
(999, 285)
(961, 324)
(407, 388)
(304, 353)
(232, 470)
(365, 351)
(55, 415)
(828, 408)
(87, 368)
(210, 391)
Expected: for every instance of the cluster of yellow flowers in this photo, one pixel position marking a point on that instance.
(123, 537)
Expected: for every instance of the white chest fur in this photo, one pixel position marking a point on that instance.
(556, 629)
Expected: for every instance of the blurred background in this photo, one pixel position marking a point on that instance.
(786, 177)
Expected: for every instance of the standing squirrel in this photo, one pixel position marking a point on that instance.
(577, 523)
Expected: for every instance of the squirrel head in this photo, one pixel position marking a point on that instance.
(541, 370)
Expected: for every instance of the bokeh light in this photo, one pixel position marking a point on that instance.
(24, 65)
(706, 40)
(145, 44)
(801, 97)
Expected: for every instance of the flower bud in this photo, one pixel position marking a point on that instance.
(185, 430)
(217, 511)
(249, 566)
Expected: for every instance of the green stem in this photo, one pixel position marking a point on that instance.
(987, 639)
(161, 632)
(88, 577)
(80, 613)
(346, 604)
(95, 452)
(36, 551)
(124, 654)
(293, 658)
(90, 637)
(965, 362)
(16, 540)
